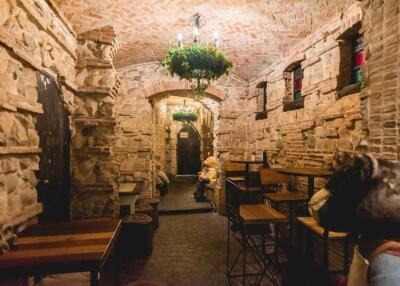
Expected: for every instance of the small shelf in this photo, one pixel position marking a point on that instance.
(293, 105)
(19, 150)
(261, 115)
(97, 188)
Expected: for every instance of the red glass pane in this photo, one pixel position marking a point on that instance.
(359, 59)
(297, 85)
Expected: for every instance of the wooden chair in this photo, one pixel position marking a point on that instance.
(235, 171)
(314, 229)
(271, 177)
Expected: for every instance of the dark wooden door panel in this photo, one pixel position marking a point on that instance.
(188, 151)
(53, 175)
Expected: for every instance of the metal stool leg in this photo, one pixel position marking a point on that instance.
(276, 244)
(228, 249)
(244, 242)
(326, 251)
(346, 254)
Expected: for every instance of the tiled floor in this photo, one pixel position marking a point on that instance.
(180, 197)
(188, 250)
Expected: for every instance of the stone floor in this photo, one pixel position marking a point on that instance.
(188, 250)
(180, 198)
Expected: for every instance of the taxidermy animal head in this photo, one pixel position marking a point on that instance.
(363, 197)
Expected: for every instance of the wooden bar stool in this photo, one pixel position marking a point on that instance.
(314, 229)
(272, 177)
(254, 221)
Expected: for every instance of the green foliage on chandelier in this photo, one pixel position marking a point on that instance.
(185, 116)
(202, 63)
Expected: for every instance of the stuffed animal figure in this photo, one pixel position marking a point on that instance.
(208, 175)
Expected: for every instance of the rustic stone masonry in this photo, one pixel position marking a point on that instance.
(33, 37)
(380, 96)
(312, 134)
(94, 170)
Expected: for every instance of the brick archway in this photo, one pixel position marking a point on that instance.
(173, 86)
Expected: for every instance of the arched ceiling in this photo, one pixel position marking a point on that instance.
(253, 33)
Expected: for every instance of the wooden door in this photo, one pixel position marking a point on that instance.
(53, 175)
(188, 151)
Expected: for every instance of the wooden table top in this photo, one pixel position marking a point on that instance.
(285, 197)
(57, 247)
(260, 214)
(237, 178)
(247, 161)
(306, 171)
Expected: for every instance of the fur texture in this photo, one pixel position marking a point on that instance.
(365, 198)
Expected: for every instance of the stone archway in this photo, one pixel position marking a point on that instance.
(161, 87)
(211, 100)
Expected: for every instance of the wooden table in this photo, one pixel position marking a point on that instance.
(308, 172)
(289, 198)
(75, 246)
(260, 214)
(247, 165)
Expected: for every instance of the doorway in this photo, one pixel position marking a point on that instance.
(54, 170)
(188, 150)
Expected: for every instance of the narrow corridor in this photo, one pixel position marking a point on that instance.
(180, 198)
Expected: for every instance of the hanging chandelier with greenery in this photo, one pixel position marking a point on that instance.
(185, 113)
(196, 63)
(185, 116)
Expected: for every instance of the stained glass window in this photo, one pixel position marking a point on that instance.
(297, 82)
(358, 59)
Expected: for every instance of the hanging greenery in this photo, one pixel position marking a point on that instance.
(199, 63)
(185, 116)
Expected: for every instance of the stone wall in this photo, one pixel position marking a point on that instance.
(33, 37)
(380, 97)
(94, 168)
(328, 123)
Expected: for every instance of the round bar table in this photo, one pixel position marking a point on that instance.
(308, 172)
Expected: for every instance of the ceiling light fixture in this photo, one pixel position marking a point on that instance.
(196, 62)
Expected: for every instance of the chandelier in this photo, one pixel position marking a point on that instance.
(184, 113)
(198, 63)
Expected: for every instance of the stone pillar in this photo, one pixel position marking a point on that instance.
(94, 169)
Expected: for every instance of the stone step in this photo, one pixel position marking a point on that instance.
(185, 178)
(206, 209)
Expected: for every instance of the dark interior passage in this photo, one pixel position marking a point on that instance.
(180, 197)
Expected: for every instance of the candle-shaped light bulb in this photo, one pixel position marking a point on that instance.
(180, 38)
(215, 36)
